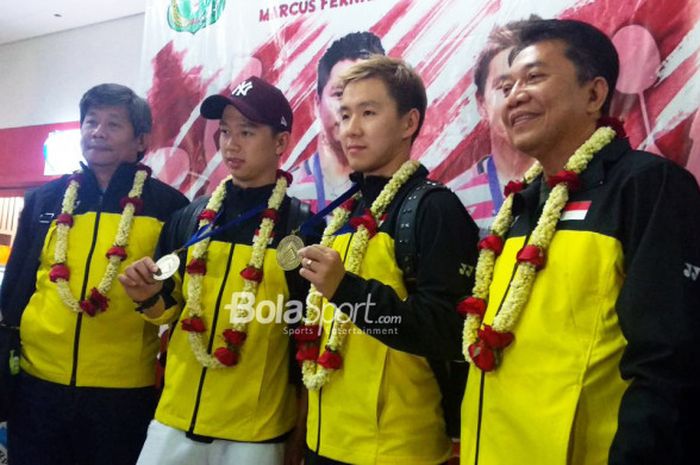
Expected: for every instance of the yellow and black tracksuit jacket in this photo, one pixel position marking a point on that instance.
(253, 401)
(116, 348)
(383, 406)
(604, 366)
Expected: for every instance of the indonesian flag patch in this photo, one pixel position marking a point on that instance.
(575, 210)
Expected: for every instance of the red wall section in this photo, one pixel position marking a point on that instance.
(22, 156)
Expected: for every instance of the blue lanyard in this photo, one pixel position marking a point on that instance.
(318, 180)
(494, 185)
(306, 229)
(208, 231)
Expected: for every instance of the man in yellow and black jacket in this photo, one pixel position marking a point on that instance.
(241, 409)
(85, 393)
(603, 363)
(382, 403)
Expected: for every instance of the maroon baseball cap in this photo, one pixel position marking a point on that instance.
(257, 100)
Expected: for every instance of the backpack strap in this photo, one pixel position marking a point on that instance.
(451, 376)
(298, 213)
(407, 253)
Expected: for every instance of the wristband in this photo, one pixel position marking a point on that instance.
(148, 303)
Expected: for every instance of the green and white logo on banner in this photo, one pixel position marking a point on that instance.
(193, 15)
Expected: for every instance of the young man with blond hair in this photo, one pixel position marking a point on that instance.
(373, 374)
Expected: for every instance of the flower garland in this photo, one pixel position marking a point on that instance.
(317, 368)
(483, 347)
(97, 301)
(234, 337)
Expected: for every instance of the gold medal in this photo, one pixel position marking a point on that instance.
(288, 252)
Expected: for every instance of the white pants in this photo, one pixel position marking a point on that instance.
(169, 446)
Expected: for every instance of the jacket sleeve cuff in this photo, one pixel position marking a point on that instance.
(350, 290)
(168, 316)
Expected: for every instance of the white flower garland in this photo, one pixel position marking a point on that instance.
(541, 237)
(315, 375)
(199, 252)
(60, 273)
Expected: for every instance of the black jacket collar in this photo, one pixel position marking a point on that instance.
(246, 197)
(593, 176)
(122, 179)
(371, 186)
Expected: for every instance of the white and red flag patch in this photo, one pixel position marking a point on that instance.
(575, 210)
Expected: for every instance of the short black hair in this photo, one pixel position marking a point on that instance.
(589, 49)
(118, 95)
(354, 46)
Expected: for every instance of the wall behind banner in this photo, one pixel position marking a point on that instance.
(41, 84)
(44, 77)
(192, 51)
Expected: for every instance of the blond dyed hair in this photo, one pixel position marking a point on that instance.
(405, 86)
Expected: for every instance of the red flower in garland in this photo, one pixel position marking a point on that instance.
(533, 255)
(252, 274)
(65, 218)
(226, 356)
(495, 339)
(270, 213)
(209, 215)
(483, 352)
(616, 124)
(59, 271)
(88, 307)
(349, 204)
(471, 306)
(492, 242)
(570, 178)
(513, 187)
(307, 333)
(367, 220)
(233, 337)
(330, 360)
(194, 325)
(116, 251)
(197, 266)
(99, 300)
(286, 175)
(482, 356)
(307, 352)
(135, 201)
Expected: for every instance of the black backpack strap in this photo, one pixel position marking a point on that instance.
(298, 213)
(407, 254)
(451, 376)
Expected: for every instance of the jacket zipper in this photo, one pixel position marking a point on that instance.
(79, 321)
(482, 382)
(203, 375)
(320, 391)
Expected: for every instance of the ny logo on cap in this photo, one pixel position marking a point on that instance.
(243, 88)
(283, 122)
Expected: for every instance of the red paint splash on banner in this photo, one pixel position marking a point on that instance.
(177, 92)
(666, 22)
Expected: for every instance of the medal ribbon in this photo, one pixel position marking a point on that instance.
(208, 231)
(307, 227)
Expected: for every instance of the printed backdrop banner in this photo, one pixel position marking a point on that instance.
(194, 48)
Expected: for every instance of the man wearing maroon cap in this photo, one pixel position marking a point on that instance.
(228, 397)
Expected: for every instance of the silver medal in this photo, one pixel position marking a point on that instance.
(167, 266)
